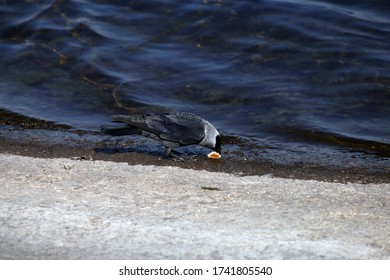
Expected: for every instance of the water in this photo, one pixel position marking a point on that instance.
(286, 77)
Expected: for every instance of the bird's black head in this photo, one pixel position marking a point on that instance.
(217, 147)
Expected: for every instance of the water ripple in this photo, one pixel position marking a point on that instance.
(264, 69)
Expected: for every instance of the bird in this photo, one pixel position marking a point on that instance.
(172, 129)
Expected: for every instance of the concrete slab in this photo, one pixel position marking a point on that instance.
(69, 209)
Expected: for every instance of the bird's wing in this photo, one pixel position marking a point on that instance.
(183, 128)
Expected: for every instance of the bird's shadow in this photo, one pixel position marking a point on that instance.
(124, 150)
(153, 150)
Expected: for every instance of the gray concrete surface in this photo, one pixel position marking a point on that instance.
(69, 209)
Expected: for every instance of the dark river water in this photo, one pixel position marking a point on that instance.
(290, 79)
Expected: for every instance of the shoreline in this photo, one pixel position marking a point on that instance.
(86, 150)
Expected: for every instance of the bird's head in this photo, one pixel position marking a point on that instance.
(212, 138)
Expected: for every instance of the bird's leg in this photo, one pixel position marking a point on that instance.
(173, 155)
(167, 151)
(168, 154)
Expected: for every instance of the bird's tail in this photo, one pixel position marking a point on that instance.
(120, 130)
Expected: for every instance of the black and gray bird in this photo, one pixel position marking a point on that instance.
(173, 129)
